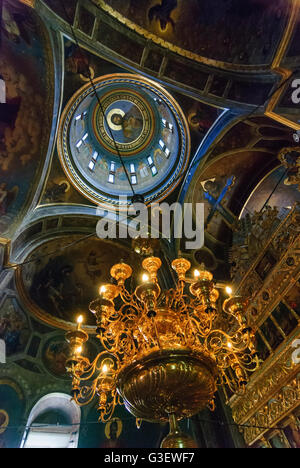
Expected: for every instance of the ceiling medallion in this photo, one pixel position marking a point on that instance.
(132, 129)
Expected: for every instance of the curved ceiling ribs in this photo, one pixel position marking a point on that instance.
(220, 83)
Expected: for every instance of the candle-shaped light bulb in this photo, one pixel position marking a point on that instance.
(196, 274)
(105, 368)
(228, 289)
(229, 344)
(145, 278)
(102, 289)
(79, 350)
(79, 321)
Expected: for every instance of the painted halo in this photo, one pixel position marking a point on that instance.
(130, 117)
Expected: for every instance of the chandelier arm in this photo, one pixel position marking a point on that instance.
(231, 383)
(126, 296)
(107, 345)
(246, 361)
(128, 345)
(135, 310)
(106, 414)
(189, 331)
(156, 333)
(177, 338)
(88, 372)
(179, 290)
(222, 336)
(90, 390)
(200, 328)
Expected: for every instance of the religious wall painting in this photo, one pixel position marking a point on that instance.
(113, 431)
(292, 299)
(56, 351)
(66, 277)
(290, 159)
(272, 334)
(4, 421)
(261, 347)
(119, 432)
(285, 318)
(11, 413)
(58, 189)
(276, 189)
(242, 34)
(250, 168)
(56, 193)
(214, 192)
(125, 120)
(23, 131)
(225, 202)
(266, 264)
(76, 60)
(14, 328)
(200, 117)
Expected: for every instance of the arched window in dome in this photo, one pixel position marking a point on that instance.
(53, 422)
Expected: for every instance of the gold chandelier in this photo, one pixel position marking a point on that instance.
(163, 352)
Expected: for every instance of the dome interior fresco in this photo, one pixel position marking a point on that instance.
(131, 119)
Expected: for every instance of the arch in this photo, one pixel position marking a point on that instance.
(65, 435)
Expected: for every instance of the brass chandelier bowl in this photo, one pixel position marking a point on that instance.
(167, 382)
(163, 353)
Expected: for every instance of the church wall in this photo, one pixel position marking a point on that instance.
(26, 69)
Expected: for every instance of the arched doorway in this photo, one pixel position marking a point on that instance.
(52, 423)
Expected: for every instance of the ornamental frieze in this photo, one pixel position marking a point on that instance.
(258, 393)
(286, 400)
(276, 266)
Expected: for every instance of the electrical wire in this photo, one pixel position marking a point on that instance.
(60, 249)
(88, 73)
(274, 189)
(86, 61)
(199, 419)
(247, 116)
(180, 176)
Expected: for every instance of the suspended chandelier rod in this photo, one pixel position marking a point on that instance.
(86, 61)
